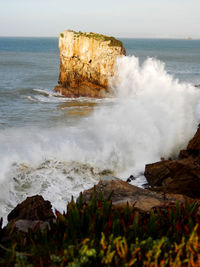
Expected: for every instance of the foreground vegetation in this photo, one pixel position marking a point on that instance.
(97, 234)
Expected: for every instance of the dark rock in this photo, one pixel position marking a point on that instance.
(123, 193)
(176, 176)
(184, 154)
(145, 185)
(33, 208)
(181, 176)
(193, 148)
(131, 178)
(194, 144)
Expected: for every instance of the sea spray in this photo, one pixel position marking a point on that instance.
(161, 113)
(151, 116)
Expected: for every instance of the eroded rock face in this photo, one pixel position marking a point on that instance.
(177, 176)
(194, 144)
(142, 199)
(33, 208)
(180, 176)
(86, 63)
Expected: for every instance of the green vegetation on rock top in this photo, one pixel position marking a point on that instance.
(100, 37)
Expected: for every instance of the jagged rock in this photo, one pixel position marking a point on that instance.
(122, 192)
(180, 176)
(130, 178)
(175, 176)
(33, 208)
(194, 144)
(86, 63)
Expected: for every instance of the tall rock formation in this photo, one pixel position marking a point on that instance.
(86, 63)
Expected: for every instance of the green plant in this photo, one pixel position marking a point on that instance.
(98, 234)
(100, 37)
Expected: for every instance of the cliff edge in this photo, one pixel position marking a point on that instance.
(86, 63)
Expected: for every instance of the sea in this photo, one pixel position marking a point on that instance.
(57, 147)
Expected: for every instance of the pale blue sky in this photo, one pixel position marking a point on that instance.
(122, 18)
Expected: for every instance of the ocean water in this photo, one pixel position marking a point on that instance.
(57, 147)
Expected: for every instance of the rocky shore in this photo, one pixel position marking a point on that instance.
(114, 223)
(180, 176)
(169, 181)
(86, 63)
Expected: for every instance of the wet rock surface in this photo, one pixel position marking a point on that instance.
(170, 181)
(181, 176)
(122, 193)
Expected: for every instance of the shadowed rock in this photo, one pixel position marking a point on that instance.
(176, 176)
(180, 176)
(33, 208)
(194, 144)
(130, 178)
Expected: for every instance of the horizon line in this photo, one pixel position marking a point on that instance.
(189, 38)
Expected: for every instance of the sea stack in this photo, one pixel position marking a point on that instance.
(86, 63)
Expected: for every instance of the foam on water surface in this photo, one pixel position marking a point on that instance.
(151, 116)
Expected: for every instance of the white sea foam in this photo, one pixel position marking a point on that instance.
(50, 96)
(47, 92)
(152, 116)
(46, 96)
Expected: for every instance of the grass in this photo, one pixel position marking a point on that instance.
(98, 234)
(100, 37)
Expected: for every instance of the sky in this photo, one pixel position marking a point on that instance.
(120, 18)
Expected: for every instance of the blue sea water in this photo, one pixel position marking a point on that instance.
(58, 147)
(27, 64)
(182, 57)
